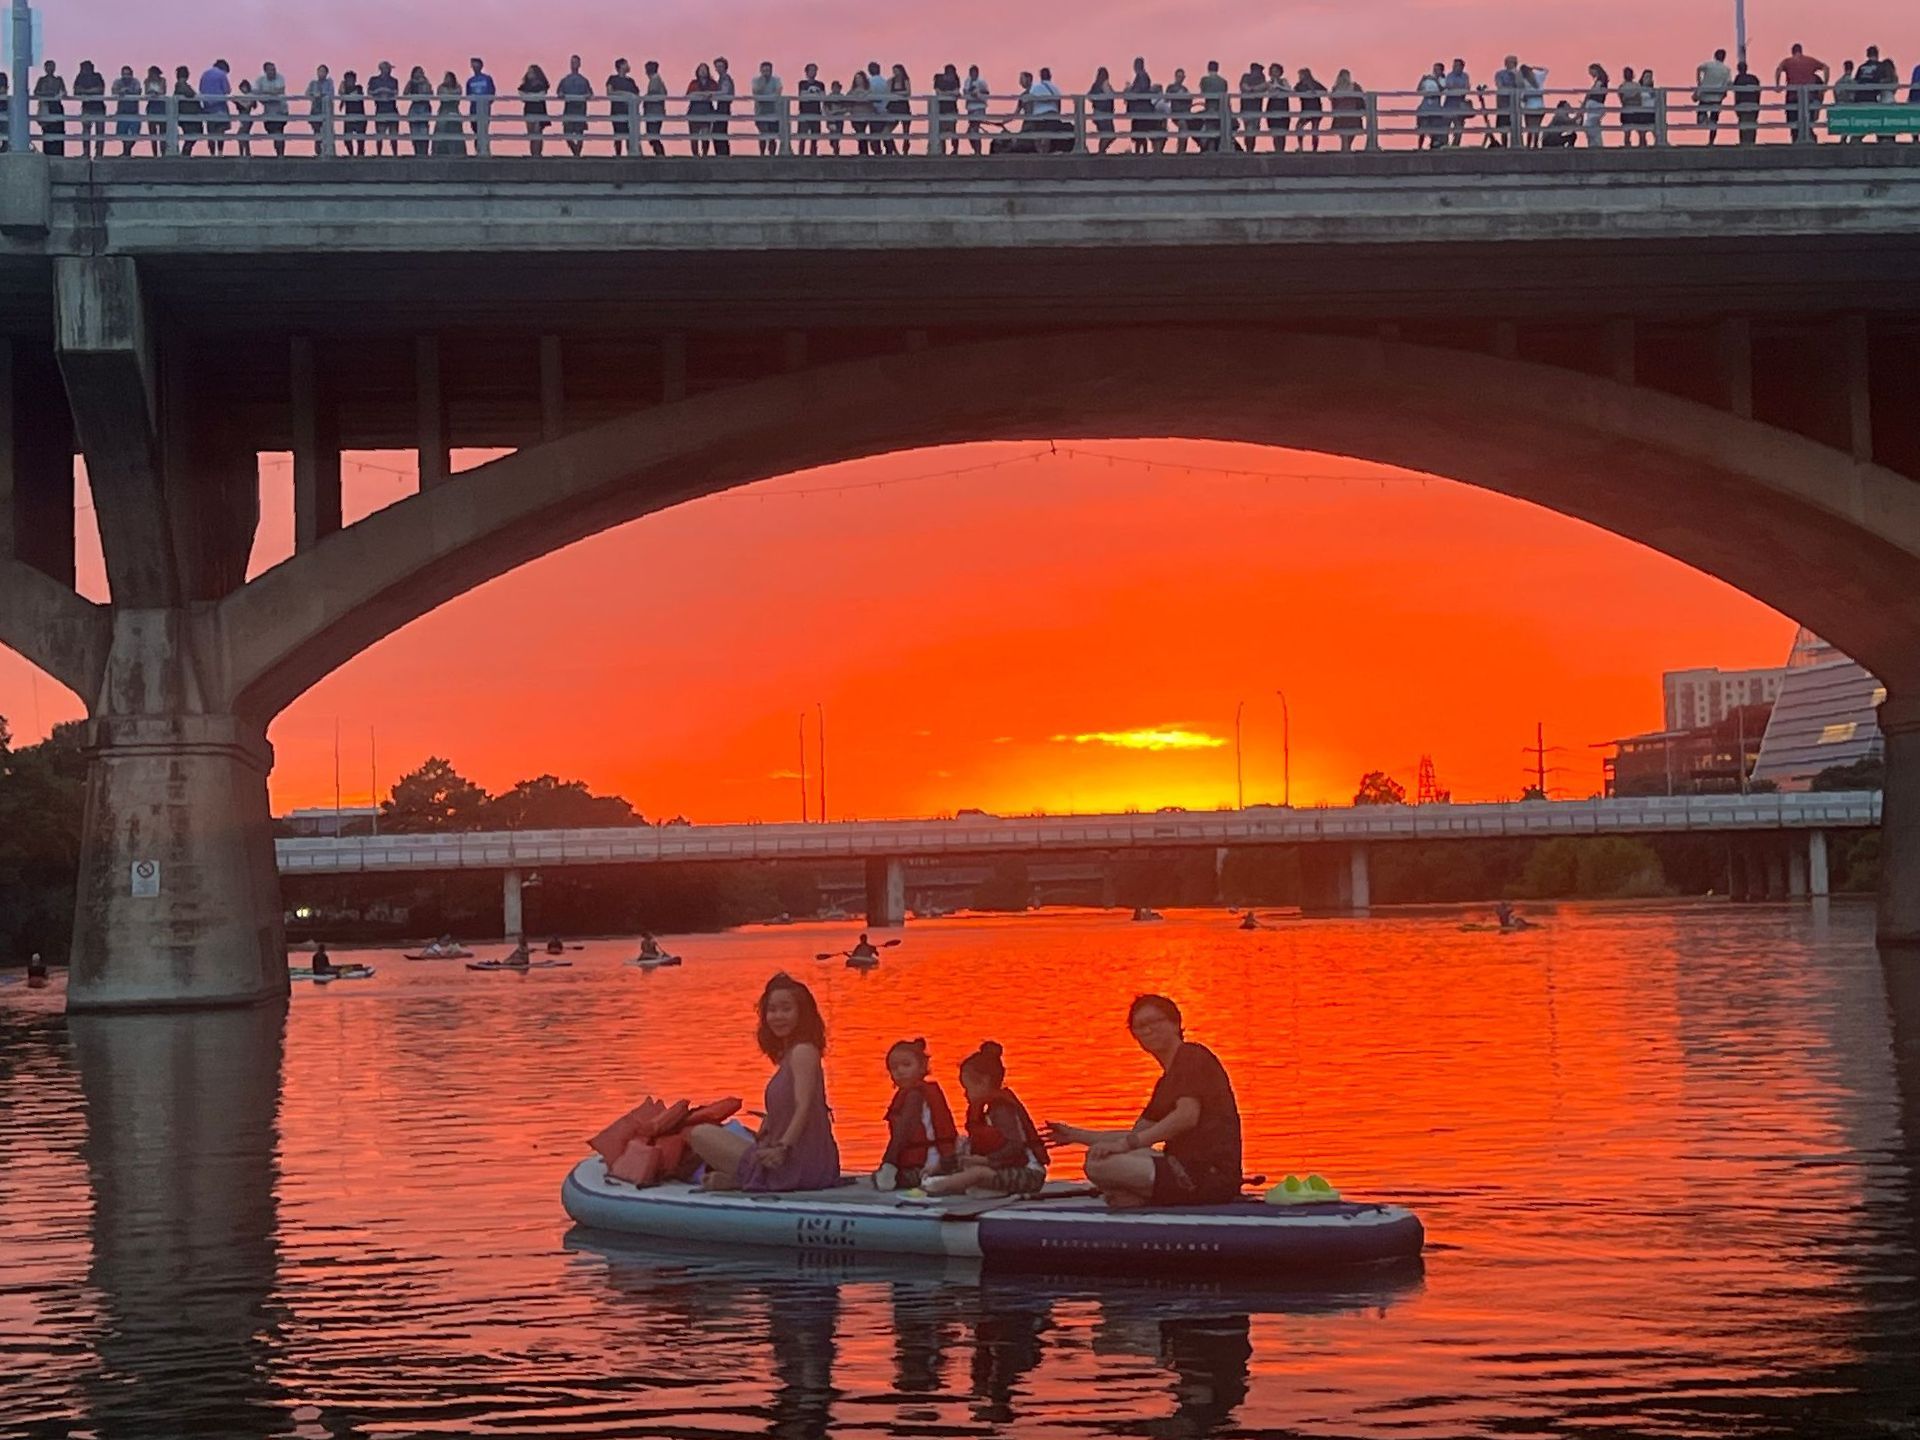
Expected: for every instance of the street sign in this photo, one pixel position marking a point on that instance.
(1873, 120)
(146, 879)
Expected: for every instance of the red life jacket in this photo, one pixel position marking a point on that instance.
(983, 1139)
(910, 1099)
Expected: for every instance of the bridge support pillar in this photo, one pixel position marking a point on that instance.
(1360, 880)
(1899, 909)
(513, 915)
(179, 901)
(1817, 881)
(886, 893)
(1796, 874)
(1776, 874)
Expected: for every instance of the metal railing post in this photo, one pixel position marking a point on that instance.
(936, 141)
(1373, 120)
(173, 124)
(1079, 124)
(786, 125)
(1660, 116)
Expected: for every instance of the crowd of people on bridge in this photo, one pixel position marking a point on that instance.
(874, 111)
(1184, 1149)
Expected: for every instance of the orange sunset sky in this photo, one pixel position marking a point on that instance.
(1007, 637)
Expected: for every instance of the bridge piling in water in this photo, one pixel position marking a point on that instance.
(886, 892)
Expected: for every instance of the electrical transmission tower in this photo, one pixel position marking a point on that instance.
(1428, 791)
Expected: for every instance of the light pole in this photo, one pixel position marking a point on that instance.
(23, 58)
(1239, 772)
(1286, 751)
(1740, 30)
(822, 710)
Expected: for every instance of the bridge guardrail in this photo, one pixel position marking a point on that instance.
(449, 124)
(1260, 825)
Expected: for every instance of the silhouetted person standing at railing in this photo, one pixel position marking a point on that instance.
(1179, 103)
(1279, 105)
(244, 104)
(1506, 101)
(1459, 102)
(975, 93)
(271, 87)
(353, 111)
(1429, 115)
(767, 104)
(1593, 109)
(49, 93)
(575, 90)
(1142, 113)
(1804, 76)
(186, 107)
(480, 91)
(623, 96)
(1307, 93)
(700, 92)
(1746, 103)
(812, 92)
(533, 90)
(216, 89)
(1636, 109)
(654, 106)
(153, 92)
(1253, 107)
(320, 92)
(383, 86)
(6, 116)
(900, 109)
(1215, 124)
(1710, 84)
(1100, 102)
(723, 92)
(90, 89)
(449, 138)
(126, 109)
(1349, 103)
(419, 93)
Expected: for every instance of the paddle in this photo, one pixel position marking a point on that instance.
(848, 954)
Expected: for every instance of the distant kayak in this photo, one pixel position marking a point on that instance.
(459, 954)
(1494, 929)
(339, 972)
(656, 962)
(527, 965)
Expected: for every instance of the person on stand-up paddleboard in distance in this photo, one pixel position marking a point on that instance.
(1191, 1115)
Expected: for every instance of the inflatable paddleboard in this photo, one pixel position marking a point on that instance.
(344, 972)
(656, 962)
(442, 955)
(1061, 1229)
(530, 965)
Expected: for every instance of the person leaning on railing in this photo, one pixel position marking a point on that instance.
(1746, 103)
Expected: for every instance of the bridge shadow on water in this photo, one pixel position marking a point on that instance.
(182, 1161)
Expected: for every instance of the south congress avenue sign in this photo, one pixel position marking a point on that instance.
(1874, 120)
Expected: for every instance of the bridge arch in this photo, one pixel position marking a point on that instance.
(1827, 539)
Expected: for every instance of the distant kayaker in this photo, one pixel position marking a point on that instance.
(1249, 921)
(795, 1149)
(649, 948)
(554, 947)
(36, 967)
(322, 962)
(921, 1135)
(864, 949)
(1192, 1114)
(520, 955)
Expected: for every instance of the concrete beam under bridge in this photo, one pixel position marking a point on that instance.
(886, 893)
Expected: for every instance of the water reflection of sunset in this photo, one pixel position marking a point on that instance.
(1648, 1145)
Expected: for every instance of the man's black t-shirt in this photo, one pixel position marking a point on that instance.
(1211, 1150)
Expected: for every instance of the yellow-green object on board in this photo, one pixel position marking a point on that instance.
(1313, 1190)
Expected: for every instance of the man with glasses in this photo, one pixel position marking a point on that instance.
(1192, 1115)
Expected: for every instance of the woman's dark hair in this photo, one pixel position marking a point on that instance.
(810, 1028)
(986, 1061)
(1154, 1002)
(918, 1045)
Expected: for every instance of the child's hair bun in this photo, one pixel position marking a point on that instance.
(919, 1042)
(990, 1047)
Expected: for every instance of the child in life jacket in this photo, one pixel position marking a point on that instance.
(1003, 1149)
(921, 1137)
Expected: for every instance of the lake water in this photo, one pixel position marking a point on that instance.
(1660, 1153)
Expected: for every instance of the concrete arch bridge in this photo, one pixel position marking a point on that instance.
(1709, 353)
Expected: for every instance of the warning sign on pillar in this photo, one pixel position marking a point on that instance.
(146, 879)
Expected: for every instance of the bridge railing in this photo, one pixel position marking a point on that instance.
(445, 124)
(1276, 825)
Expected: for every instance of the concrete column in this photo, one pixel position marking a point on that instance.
(1899, 910)
(886, 893)
(316, 451)
(1796, 874)
(513, 906)
(1360, 883)
(1739, 873)
(1776, 874)
(553, 389)
(179, 900)
(1817, 864)
(430, 393)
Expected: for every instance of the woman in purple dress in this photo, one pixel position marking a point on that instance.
(795, 1149)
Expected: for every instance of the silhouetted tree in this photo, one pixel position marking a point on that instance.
(1379, 788)
(42, 801)
(434, 797)
(550, 803)
(1868, 774)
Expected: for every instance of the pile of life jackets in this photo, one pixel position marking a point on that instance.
(648, 1144)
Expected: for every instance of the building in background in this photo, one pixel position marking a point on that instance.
(1696, 699)
(325, 820)
(1714, 759)
(1827, 715)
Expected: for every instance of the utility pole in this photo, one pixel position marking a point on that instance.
(1286, 751)
(803, 767)
(1239, 780)
(373, 777)
(336, 777)
(822, 709)
(1740, 29)
(1539, 750)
